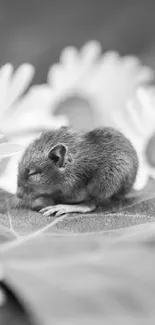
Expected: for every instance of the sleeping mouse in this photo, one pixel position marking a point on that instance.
(66, 171)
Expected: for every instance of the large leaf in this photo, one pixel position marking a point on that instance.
(136, 210)
(85, 280)
(82, 269)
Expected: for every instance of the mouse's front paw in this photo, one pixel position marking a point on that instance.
(57, 210)
(60, 209)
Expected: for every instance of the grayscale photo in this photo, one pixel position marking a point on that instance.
(77, 162)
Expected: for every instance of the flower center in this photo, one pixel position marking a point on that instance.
(79, 112)
(150, 151)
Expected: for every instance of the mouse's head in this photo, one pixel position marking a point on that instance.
(42, 169)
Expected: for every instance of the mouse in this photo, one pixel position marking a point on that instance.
(65, 171)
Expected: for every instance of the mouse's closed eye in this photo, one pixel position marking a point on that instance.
(34, 174)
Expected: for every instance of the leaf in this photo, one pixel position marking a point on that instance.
(77, 269)
(85, 280)
(136, 210)
(6, 234)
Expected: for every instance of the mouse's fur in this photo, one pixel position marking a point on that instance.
(82, 167)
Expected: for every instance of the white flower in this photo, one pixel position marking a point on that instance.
(90, 88)
(22, 118)
(103, 81)
(22, 113)
(137, 122)
(95, 89)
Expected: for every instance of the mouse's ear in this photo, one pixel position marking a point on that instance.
(58, 154)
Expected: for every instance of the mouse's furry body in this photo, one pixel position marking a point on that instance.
(97, 165)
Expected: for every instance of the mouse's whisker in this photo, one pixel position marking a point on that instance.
(16, 206)
(30, 202)
(7, 200)
(27, 202)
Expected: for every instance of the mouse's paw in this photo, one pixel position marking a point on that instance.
(61, 209)
(56, 210)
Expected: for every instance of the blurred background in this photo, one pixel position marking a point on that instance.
(36, 31)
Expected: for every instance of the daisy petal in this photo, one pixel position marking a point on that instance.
(90, 52)
(21, 80)
(69, 56)
(8, 179)
(5, 78)
(141, 179)
(9, 149)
